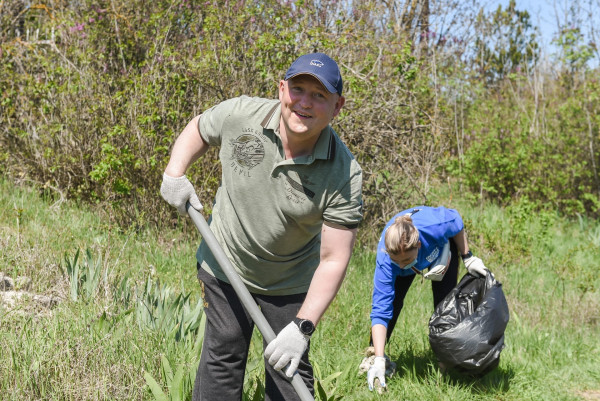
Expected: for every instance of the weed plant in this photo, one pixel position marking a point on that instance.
(134, 330)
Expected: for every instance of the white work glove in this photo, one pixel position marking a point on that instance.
(377, 371)
(288, 347)
(177, 191)
(475, 266)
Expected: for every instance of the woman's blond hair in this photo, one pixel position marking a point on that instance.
(401, 236)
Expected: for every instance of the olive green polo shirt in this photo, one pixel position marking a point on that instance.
(269, 211)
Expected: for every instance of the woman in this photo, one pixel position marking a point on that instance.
(412, 241)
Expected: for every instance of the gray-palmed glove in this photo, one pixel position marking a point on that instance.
(377, 371)
(177, 191)
(475, 266)
(288, 347)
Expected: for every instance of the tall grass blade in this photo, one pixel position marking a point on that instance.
(157, 392)
(91, 275)
(72, 268)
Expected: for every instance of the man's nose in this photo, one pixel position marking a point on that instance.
(306, 100)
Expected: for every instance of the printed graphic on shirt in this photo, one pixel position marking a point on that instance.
(296, 192)
(433, 255)
(247, 152)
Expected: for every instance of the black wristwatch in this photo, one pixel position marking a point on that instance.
(306, 326)
(466, 255)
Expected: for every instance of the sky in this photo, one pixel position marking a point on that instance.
(542, 14)
(546, 14)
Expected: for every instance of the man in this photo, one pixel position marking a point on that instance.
(286, 215)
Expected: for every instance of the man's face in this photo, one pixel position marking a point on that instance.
(306, 106)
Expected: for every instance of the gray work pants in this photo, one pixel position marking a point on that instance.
(227, 339)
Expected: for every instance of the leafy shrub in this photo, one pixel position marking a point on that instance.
(95, 93)
(543, 156)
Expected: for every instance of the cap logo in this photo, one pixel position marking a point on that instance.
(316, 63)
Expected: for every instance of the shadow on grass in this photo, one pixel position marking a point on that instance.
(425, 365)
(498, 380)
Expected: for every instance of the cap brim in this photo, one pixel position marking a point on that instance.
(323, 82)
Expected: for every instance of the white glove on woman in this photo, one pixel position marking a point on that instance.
(177, 191)
(376, 371)
(475, 266)
(288, 347)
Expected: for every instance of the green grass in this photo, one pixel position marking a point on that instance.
(132, 333)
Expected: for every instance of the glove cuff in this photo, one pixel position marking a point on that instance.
(174, 183)
(466, 255)
(169, 178)
(379, 361)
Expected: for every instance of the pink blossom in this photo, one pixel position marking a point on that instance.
(77, 27)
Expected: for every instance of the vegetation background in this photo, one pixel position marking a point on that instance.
(447, 103)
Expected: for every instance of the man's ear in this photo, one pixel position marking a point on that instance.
(338, 105)
(282, 84)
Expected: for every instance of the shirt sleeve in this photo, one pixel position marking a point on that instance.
(382, 307)
(345, 208)
(452, 224)
(211, 121)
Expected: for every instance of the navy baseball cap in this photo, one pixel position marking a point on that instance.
(320, 66)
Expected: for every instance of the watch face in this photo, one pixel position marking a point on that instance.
(307, 327)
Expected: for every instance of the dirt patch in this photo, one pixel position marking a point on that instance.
(589, 395)
(15, 297)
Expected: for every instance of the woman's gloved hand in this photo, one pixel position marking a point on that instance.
(177, 191)
(475, 266)
(377, 371)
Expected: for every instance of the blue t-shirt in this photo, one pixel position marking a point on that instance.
(436, 226)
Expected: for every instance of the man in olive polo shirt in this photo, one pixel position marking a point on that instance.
(286, 215)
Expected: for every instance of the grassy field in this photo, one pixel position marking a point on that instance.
(108, 314)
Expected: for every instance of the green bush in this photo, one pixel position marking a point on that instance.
(94, 94)
(510, 155)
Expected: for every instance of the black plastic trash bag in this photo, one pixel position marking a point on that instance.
(466, 330)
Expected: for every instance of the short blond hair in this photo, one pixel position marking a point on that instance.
(401, 236)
